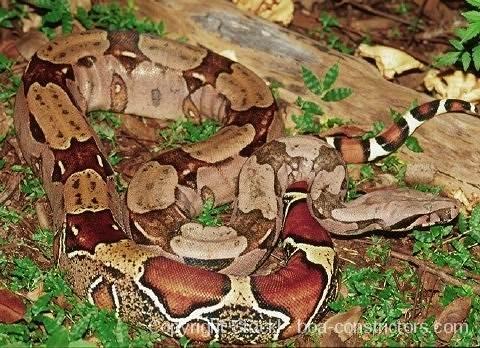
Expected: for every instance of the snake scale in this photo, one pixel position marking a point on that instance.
(141, 255)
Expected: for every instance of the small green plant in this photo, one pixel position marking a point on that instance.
(210, 214)
(378, 126)
(115, 17)
(325, 32)
(14, 12)
(8, 216)
(274, 86)
(308, 121)
(31, 184)
(57, 12)
(49, 324)
(8, 90)
(403, 8)
(466, 44)
(187, 132)
(104, 123)
(445, 247)
(44, 239)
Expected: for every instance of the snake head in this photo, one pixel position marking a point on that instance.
(391, 210)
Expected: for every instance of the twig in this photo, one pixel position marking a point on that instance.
(440, 272)
(427, 264)
(374, 11)
(419, 14)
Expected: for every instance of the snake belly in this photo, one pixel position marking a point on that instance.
(145, 259)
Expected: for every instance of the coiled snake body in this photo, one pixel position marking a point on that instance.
(147, 260)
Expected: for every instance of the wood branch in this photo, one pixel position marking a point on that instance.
(450, 142)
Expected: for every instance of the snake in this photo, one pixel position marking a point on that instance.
(141, 254)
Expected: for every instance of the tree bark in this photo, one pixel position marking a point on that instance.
(276, 53)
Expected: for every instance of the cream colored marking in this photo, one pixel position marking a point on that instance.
(193, 230)
(265, 236)
(116, 301)
(228, 142)
(91, 193)
(118, 88)
(207, 242)
(75, 231)
(208, 250)
(319, 255)
(64, 70)
(92, 287)
(100, 161)
(170, 53)
(256, 189)
(191, 113)
(69, 49)
(441, 107)
(198, 76)
(412, 122)
(62, 168)
(186, 171)
(37, 165)
(330, 141)
(128, 54)
(244, 89)
(152, 188)
(376, 150)
(137, 225)
(306, 147)
(115, 227)
(125, 256)
(51, 120)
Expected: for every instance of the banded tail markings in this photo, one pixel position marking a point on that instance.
(356, 150)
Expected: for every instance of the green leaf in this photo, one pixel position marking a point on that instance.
(366, 171)
(412, 144)
(475, 3)
(378, 126)
(309, 106)
(449, 58)
(466, 60)
(311, 81)
(336, 94)
(469, 32)
(83, 18)
(476, 57)
(330, 77)
(471, 16)
(457, 44)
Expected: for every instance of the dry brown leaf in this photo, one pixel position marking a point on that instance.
(35, 293)
(390, 61)
(273, 10)
(430, 282)
(12, 308)
(436, 10)
(344, 324)
(30, 42)
(456, 85)
(447, 322)
(33, 21)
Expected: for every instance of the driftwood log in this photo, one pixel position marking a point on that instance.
(450, 142)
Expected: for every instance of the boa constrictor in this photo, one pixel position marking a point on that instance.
(148, 261)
